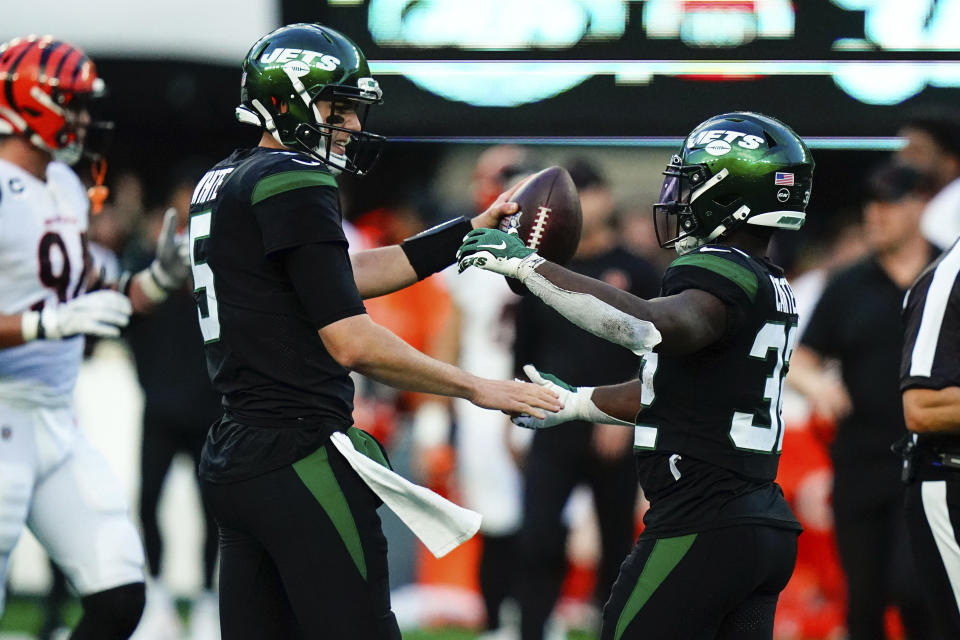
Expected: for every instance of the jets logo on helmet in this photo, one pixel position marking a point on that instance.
(731, 171)
(45, 86)
(287, 71)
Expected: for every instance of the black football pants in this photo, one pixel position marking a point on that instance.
(720, 584)
(302, 554)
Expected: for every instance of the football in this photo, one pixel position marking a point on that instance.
(549, 218)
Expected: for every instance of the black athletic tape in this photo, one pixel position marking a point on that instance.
(435, 249)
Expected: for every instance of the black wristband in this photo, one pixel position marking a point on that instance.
(433, 250)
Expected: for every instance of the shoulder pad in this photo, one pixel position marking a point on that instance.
(286, 170)
(730, 263)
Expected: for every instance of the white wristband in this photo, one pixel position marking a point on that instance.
(528, 265)
(30, 325)
(150, 287)
(590, 412)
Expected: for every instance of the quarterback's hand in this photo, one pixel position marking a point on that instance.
(101, 313)
(171, 266)
(568, 395)
(515, 397)
(497, 251)
(500, 208)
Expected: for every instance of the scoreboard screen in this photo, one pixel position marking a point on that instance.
(616, 70)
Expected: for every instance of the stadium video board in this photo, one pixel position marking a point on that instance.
(650, 68)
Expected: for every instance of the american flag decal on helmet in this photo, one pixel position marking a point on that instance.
(781, 178)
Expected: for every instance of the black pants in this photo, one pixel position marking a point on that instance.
(163, 438)
(558, 461)
(720, 584)
(933, 521)
(302, 554)
(875, 555)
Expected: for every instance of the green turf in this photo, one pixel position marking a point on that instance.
(25, 615)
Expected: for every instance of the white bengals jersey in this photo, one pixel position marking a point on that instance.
(489, 480)
(43, 260)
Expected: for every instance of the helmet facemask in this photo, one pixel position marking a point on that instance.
(81, 135)
(362, 149)
(683, 185)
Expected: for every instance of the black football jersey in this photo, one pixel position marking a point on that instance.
(709, 436)
(263, 352)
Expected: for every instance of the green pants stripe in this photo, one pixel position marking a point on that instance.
(667, 553)
(315, 472)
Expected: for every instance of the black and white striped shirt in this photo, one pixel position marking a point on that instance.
(931, 319)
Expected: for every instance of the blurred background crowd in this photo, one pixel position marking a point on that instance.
(886, 200)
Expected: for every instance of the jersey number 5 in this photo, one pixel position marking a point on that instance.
(203, 289)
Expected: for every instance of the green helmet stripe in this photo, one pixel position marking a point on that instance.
(288, 181)
(738, 274)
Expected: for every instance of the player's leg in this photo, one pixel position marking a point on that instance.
(253, 601)
(192, 440)
(554, 465)
(615, 488)
(933, 520)
(691, 587)
(17, 464)
(156, 454)
(498, 561)
(79, 514)
(490, 484)
(862, 535)
(317, 523)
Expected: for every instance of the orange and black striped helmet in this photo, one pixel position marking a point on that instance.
(44, 84)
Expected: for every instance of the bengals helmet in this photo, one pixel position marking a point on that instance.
(45, 89)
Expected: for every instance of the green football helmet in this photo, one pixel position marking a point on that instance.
(287, 70)
(733, 169)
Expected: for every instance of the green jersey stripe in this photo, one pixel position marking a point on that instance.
(317, 475)
(666, 554)
(738, 274)
(288, 181)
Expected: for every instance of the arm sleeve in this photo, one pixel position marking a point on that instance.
(294, 208)
(323, 279)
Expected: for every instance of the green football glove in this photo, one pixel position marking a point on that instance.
(577, 404)
(571, 397)
(497, 251)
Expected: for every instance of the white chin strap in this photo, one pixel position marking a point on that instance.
(689, 243)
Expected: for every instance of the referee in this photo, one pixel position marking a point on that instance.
(930, 382)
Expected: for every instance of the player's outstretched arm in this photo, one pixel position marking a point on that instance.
(361, 345)
(684, 323)
(386, 269)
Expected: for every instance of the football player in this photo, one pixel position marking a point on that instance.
(51, 479)
(281, 312)
(719, 541)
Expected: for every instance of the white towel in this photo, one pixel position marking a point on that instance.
(440, 524)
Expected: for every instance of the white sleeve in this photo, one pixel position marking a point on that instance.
(596, 316)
